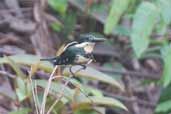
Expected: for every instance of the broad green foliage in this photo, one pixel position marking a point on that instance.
(86, 111)
(58, 5)
(118, 8)
(23, 89)
(56, 27)
(27, 59)
(143, 23)
(93, 74)
(69, 22)
(88, 73)
(69, 94)
(101, 101)
(166, 54)
(165, 14)
(82, 100)
(96, 110)
(164, 106)
(21, 111)
(86, 89)
(122, 31)
(165, 10)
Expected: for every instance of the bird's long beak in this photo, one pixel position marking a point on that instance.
(98, 39)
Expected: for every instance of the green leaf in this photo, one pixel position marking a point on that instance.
(21, 111)
(58, 5)
(122, 31)
(86, 89)
(164, 98)
(15, 67)
(85, 111)
(165, 10)
(164, 106)
(27, 59)
(81, 99)
(100, 101)
(56, 88)
(21, 89)
(69, 22)
(143, 23)
(56, 27)
(88, 73)
(118, 8)
(166, 54)
(92, 73)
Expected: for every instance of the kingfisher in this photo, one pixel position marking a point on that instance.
(77, 52)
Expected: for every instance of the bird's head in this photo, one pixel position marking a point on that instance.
(88, 42)
(90, 38)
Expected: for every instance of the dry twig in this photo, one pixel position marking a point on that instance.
(42, 111)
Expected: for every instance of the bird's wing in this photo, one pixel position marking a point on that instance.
(66, 47)
(70, 44)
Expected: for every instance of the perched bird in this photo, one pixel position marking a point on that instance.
(76, 53)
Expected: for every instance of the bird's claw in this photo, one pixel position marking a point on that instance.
(91, 56)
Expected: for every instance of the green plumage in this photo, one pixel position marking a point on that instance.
(68, 57)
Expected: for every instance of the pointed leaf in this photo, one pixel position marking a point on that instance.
(21, 111)
(118, 8)
(164, 106)
(27, 59)
(56, 88)
(165, 10)
(100, 101)
(91, 73)
(58, 5)
(143, 23)
(15, 67)
(166, 54)
(90, 111)
(87, 89)
(21, 89)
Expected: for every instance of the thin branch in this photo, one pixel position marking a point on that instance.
(46, 91)
(7, 74)
(33, 93)
(37, 100)
(59, 98)
(62, 91)
(55, 77)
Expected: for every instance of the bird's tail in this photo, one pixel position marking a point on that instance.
(53, 60)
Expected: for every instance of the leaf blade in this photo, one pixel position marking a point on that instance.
(143, 23)
(118, 8)
(166, 54)
(101, 101)
(91, 73)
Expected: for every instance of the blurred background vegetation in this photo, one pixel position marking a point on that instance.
(132, 69)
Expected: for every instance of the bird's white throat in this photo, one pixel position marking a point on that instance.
(87, 46)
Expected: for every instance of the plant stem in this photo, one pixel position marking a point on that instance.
(60, 96)
(33, 93)
(46, 91)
